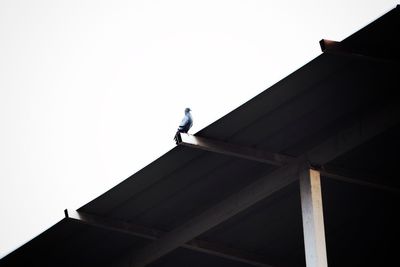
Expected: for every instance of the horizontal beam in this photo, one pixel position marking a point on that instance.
(227, 253)
(232, 149)
(340, 48)
(263, 156)
(114, 225)
(154, 234)
(362, 130)
(329, 45)
(351, 180)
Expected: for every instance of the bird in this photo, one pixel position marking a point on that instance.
(187, 122)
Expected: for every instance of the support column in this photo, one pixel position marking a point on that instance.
(313, 218)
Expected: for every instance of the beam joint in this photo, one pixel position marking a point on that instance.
(362, 130)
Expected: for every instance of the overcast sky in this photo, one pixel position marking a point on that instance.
(93, 91)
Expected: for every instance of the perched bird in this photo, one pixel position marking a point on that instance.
(186, 122)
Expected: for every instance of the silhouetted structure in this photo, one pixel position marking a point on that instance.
(317, 153)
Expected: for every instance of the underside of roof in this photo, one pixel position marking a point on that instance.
(328, 95)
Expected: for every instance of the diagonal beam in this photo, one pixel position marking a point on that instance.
(364, 129)
(154, 234)
(232, 149)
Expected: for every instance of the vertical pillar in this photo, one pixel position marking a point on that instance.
(313, 219)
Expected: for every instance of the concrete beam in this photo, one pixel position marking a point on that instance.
(155, 234)
(229, 149)
(259, 155)
(350, 180)
(329, 46)
(364, 129)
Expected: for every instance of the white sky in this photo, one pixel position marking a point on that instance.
(93, 91)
